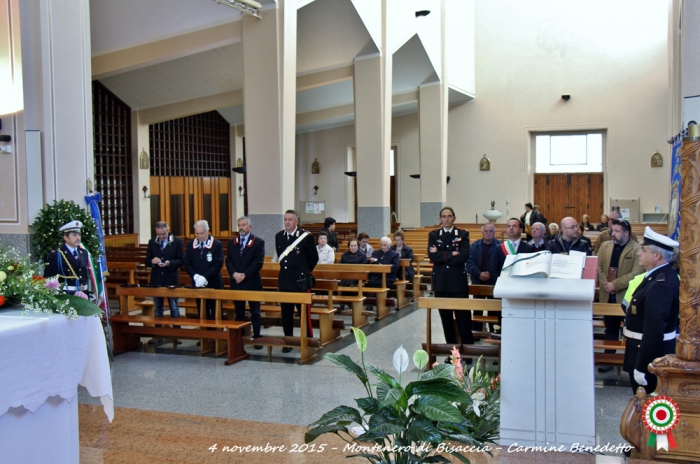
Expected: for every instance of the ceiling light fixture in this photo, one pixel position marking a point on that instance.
(246, 6)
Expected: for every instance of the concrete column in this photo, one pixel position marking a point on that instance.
(432, 116)
(269, 100)
(237, 201)
(373, 139)
(58, 93)
(140, 141)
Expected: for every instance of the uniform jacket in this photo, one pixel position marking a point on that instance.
(206, 262)
(582, 244)
(60, 261)
(499, 257)
(628, 268)
(390, 257)
(449, 272)
(299, 263)
(173, 252)
(653, 312)
(407, 253)
(474, 262)
(248, 261)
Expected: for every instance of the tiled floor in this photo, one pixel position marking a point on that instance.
(172, 408)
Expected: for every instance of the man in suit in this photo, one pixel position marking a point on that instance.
(297, 255)
(70, 262)
(165, 256)
(539, 242)
(617, 265)
(513, 246)
(448, 250)
(203, 260)
(570, 239)
(244, 259)
(651, 319)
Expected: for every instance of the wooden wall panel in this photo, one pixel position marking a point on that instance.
(562, 195)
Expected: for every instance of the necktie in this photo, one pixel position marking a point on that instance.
(289, 236)
(201, 249)
(75, 254)
(162, 244)
(242, 245)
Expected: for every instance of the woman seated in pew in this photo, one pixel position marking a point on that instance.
(326, 254)
(352, 256)
(365, 247)
(385, 255)
(405, 252)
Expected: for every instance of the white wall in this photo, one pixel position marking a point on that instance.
(611, 57)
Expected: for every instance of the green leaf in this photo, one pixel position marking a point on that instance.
(423, 430)
(438, 458)
(382, 375)
(368, 405)
(437, 409)
(420, 359)
(341, 413)
(371, 436)
(312, 434)
(444, 371)
(360, 338)
(392, 397)
(388, 428)
(82, 306)
(442, 388)
(343, 360)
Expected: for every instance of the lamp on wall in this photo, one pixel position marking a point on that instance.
(315, 189)
(239, 170)
(414, 176)
(422, 13)
(351, 173)
(145, 190)
(240, 190)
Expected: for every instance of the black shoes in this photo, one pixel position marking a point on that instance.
(605, 369)
(286, 350)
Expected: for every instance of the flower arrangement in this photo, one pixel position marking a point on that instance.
(21, 282)
(416, 423)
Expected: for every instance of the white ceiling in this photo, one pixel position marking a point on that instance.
(329, 34)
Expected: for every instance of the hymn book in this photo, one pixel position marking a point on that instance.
(546, 265)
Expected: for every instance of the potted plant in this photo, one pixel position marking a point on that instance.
(420, 422)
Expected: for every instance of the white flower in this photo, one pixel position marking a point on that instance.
(3, 276)
(400, 360)
(478, 398)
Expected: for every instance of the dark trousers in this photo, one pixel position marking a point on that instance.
(464, 321)
(254, 315)
(650, 386)
(288, 319)
(210, 308)
(612, 328)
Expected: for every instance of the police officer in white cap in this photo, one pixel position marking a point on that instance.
(70, 261)
(651, 319)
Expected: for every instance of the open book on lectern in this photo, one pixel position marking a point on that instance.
(545, 264)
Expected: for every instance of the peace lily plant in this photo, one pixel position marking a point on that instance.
(420, 422)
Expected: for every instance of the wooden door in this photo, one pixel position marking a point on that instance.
(562, 195)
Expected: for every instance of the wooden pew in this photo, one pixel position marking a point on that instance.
(202, 294)
(473, 304)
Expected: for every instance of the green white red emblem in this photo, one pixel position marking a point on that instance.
(660, 416)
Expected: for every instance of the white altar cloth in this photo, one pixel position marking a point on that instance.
(43, 358)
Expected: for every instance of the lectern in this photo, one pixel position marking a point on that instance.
(547, 386)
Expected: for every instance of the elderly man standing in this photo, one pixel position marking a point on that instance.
(570, 239)
(448, 250)
(651, 319)
(617, 265)
(538, 242)
(297, 255)
(244, 260)
(480, 254)
(165, 256)
(605, 235)
(203, 261)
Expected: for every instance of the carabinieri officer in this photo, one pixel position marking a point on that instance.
(70, 261)
(651, 319)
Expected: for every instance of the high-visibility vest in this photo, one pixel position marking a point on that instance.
(631, 287)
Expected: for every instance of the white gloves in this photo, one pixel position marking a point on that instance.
(640, 378)
(200, 281)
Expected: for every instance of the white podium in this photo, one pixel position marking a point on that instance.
(547, 387)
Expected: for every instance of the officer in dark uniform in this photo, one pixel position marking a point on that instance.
(244, 260)
(203, 261)
(448, 250)
(165, 256)
(651, 319)
(297, 255)
(70, 262)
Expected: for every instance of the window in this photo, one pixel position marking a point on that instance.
(568, 153)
